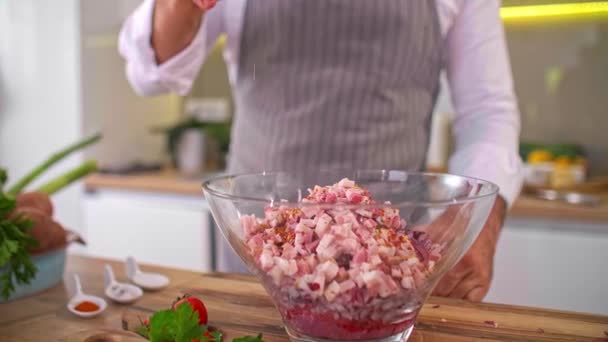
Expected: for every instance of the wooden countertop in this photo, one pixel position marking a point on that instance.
(239, 306)
(167, 181)
(171, 182)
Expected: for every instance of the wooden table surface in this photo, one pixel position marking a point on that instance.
(169, 181)
(239, 306)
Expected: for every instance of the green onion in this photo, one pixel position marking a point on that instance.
(68, 177)
(21, 184)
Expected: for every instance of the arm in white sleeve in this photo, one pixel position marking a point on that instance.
(487, 124)
(178, 73)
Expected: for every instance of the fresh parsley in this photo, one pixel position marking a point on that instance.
(181, 325)
(186, 324)
(3, 178)
(15, 263)
(216, 336)
(16, 267)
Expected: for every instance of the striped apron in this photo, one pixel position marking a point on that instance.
(334, 83)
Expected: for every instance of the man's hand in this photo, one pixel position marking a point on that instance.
(470, 279)
(176, 23)
(205, 4)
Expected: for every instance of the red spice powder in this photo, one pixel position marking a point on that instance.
(86, 306)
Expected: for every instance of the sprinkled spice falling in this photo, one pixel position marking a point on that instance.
(86, 306)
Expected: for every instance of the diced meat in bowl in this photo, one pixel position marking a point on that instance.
(341, 273)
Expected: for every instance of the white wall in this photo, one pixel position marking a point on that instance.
(61, 77)
(39, 90)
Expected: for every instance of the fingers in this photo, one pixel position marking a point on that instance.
(205, 4)
(477, 294)
(444, 288)
(476, 283)
(469, 279)
(451, 281)
(472, 288)
(449, 224)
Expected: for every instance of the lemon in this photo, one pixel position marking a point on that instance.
(562, 161)
(539, 156)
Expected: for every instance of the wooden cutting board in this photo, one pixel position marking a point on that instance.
(239, 306)
(104, 335)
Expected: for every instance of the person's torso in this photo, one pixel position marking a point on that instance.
(335, 83)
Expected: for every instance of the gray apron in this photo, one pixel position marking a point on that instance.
(334, 83)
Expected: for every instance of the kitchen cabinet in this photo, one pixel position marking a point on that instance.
(557, 264)
(164, 229)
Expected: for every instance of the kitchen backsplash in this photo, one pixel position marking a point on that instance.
(561, 80)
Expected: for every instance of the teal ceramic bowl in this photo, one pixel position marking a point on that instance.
(50, 273)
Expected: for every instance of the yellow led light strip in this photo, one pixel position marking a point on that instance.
(555, 11)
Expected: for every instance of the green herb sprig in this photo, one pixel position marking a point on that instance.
(16, 267)
(15, 263)
(181, 325)
(52, 160)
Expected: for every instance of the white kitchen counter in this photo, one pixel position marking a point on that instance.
(170, 182)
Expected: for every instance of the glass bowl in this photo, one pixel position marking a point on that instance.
(349, 255)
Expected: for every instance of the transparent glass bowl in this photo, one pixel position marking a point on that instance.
(440, 216)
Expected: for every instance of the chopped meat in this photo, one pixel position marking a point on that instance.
(355, 264)
(343, 260)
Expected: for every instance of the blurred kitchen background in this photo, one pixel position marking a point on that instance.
(61, 78)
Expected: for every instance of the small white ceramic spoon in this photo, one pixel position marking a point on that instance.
(120, 292)
(147, 281)
(80, 296)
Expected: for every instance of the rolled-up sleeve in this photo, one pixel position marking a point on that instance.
(177, 75)
(486, 126)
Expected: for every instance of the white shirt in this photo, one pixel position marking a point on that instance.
(486, 123)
